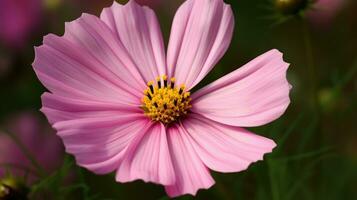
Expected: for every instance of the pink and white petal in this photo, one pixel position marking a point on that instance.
(99, 144)
(93, 35)
(200, 35)
(225, 148)
(252, 95)
(139, 31)
(191, 173)
(148, 158)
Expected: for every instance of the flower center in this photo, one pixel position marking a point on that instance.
(164, 101)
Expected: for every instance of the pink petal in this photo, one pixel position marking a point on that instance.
(200, 35)
(99, 144)
(139, 31)
(69, 70)
(58, 108)
(91, 34)
(148, 158)
(252, 95)
(191, 173)
(225, 148)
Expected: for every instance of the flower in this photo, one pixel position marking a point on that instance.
(29, 130)
(325, 11)
(120, 104)
(12, 188)
(17, 20)
(290, 7)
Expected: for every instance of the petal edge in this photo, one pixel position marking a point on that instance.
(252, 95)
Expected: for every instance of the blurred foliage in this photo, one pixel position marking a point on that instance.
(316, 156)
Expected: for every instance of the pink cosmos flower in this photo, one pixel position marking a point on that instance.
(120, 104)
(30, 131)
(17, 19)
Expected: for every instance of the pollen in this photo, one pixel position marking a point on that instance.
(164, 102)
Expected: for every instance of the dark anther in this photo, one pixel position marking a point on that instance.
(172, 84)
(159, 83)
(152, 88)
(165, 83)
(180, 91)
(175, 102)
(165, 106)
(155, 104)
(149, 96)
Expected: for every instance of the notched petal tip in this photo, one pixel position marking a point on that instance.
(200, 35)
(262, 156)
(284, 64)
(193, 192)
(225, 148)
(35, 60)
(290, 86)
(266, 78)
(43, 110)
(114, 5)
(130, 3)
(279, 54)
(271, 147)
(134, 5)
(38, 51)
(83, 16)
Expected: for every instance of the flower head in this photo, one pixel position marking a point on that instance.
(165, 102)
(13, 188)
(121, 104)
(291, 7)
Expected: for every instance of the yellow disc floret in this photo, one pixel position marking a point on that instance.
(164, 101)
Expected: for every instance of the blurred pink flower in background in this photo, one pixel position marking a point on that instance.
(18, 18)
(324, 11)
(120, 104)
(37, 137)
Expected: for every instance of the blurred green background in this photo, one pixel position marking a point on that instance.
(316, 157)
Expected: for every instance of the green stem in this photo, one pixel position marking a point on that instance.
(27, 153)
(311, 67)
(273, 181)
(313, 81)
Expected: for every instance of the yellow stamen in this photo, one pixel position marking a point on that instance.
(164, 102)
